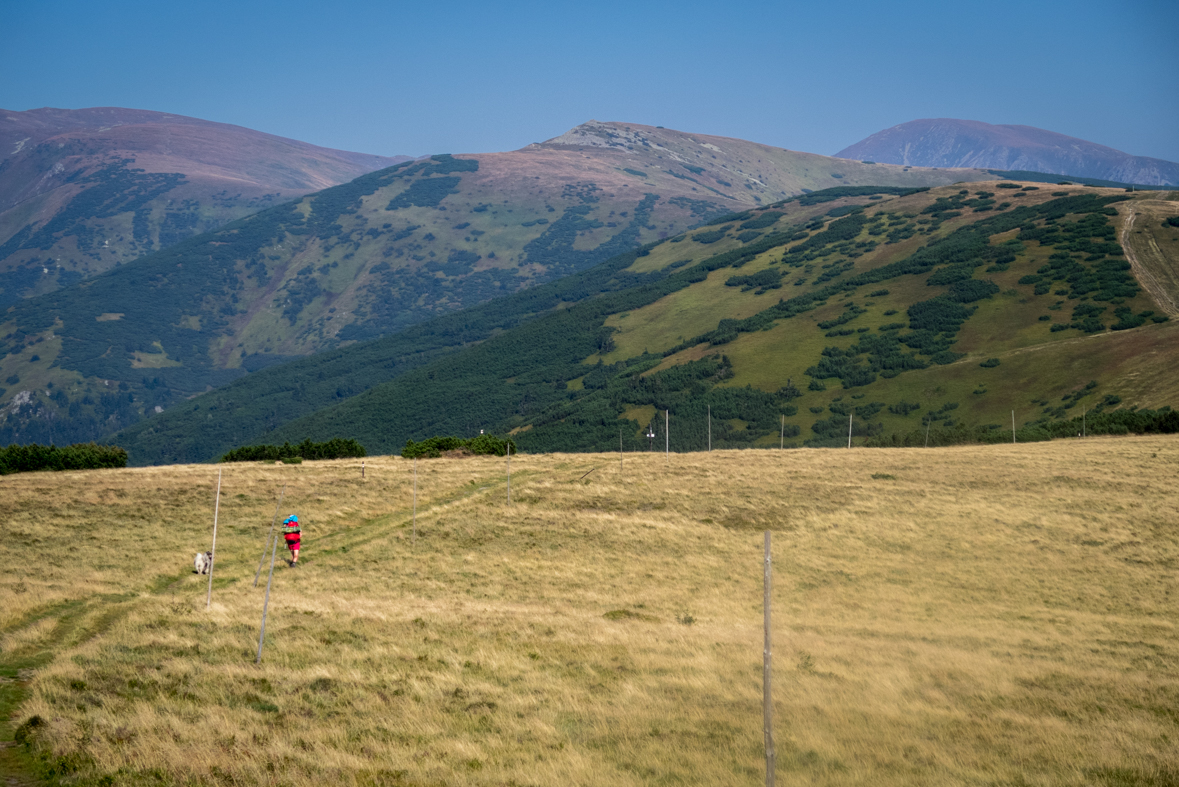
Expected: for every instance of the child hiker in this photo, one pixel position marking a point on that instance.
(290, 532)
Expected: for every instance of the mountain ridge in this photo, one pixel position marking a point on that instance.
(949, 142)
(764, 299)
(377, 255)
(82, 191)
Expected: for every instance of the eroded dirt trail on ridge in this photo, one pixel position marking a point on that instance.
(1154, 269)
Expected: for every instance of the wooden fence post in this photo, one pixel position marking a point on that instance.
(216, 509)
(273, 523)
(266, 603)
(767, 662)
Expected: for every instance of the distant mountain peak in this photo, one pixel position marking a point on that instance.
(949, 142)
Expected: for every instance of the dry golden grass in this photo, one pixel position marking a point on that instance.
(994, 615)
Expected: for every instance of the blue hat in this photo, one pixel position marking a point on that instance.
(291, 518)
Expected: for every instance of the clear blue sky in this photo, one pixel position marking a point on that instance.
(435, 76)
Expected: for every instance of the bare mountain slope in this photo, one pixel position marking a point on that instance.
(735, 171)
(84, 190)
(945, 142)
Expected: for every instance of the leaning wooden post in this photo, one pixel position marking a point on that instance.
(266, 603)
(216, 508)
(767, 659)
(849, 427)
(415, 500)
(273, 523)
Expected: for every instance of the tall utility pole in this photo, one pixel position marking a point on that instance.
(767, 698)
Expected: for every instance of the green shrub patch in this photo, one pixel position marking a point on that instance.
(80, 456)
(433, 447)
(336, 448)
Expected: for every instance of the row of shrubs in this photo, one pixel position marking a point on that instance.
(336, 448)
(1114, 422)
(80, 456)
(484, 444)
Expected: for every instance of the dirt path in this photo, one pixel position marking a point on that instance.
(73, 622)
(17, 667)
(1146, 277)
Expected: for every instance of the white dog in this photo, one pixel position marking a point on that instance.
(203, 562)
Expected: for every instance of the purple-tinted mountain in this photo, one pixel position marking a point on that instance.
(945, 142)
(85, 190)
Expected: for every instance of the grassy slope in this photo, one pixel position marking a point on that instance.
(376, 256)
(1037, 367)
(994, 615)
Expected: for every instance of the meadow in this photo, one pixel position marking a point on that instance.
(999, 615)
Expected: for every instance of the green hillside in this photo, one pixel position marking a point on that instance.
(948, 306)
(375, 256)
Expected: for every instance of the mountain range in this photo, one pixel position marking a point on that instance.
(386, 251)
(495, 276)
(883, 310)
(945, 142)
(82, 191)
